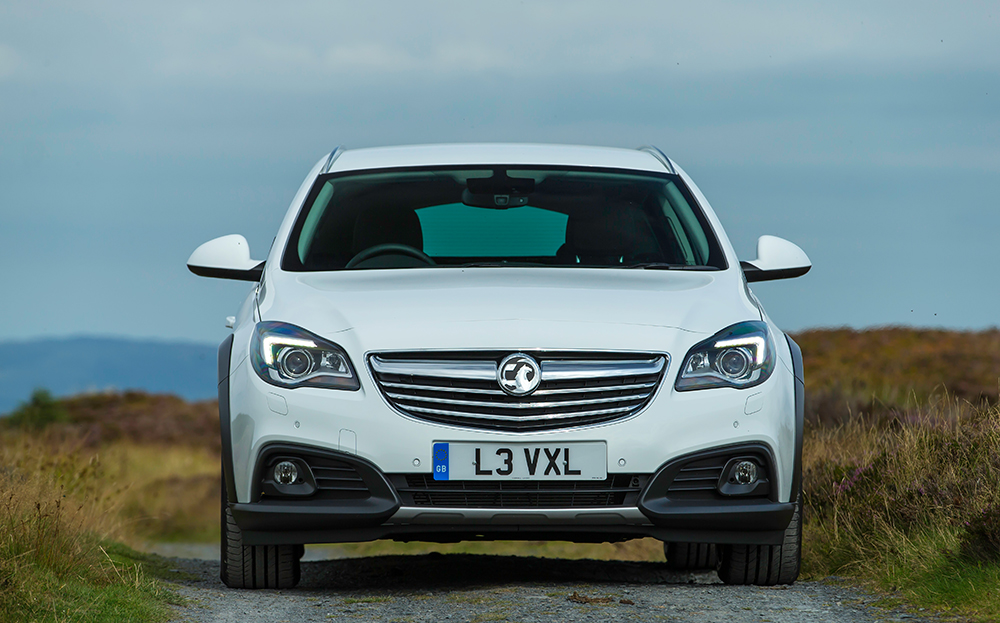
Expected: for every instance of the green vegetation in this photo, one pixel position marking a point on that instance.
(73, 491)
(56, 563)
(902, 465)
(39, 412)
(911, 504)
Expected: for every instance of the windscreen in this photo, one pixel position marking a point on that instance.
(500, 216)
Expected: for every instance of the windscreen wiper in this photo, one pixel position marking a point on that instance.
(502, 263)
(667, 266)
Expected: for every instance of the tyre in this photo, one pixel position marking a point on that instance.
(690, 556)
(765, 565)
(255, 566)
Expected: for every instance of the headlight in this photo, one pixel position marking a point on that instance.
(740, 356)
(287, 356)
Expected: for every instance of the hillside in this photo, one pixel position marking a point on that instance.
(875, 371)
(69, 366)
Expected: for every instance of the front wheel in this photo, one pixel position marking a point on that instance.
(765, 565)
(254, 566)
(690, 556)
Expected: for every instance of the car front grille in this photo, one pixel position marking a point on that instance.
(423, 490)
(461, 388)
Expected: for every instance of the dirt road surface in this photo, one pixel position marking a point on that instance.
(452, 588)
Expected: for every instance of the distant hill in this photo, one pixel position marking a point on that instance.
(68, 366)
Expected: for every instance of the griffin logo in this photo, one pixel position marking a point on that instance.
(519, 374)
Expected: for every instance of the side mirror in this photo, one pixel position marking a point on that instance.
(227, 257)
(776, 259)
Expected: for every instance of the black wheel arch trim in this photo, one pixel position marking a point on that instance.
(800, 411)
(225, 429)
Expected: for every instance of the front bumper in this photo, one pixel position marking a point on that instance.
(656, 511)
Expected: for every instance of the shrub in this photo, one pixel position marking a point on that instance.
(39, 412)
(872, 489)
(981, 538)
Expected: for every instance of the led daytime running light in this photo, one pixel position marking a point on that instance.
(268, 341)
(759, 342)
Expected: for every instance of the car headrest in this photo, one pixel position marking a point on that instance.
(386, 224)
(621, 230)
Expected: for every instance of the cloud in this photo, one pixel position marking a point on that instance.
(9, 61)
(297, 45)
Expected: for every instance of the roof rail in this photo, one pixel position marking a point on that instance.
(659, 155)
(331, 159)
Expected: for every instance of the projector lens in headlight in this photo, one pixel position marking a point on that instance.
(295, 362)
(734, 362)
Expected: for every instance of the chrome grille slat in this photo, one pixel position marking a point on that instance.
(478, 370)
(515, 405)
(576, 370)
(608, 388)
(498, 392)
(439, 388)
(518, 418)
(461, 388)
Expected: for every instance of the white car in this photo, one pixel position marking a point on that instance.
(457, 342)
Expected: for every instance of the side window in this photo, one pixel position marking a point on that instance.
(458, 230)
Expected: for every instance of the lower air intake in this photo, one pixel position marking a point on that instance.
(423, 490)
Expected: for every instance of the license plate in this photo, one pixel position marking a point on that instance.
(520, 461)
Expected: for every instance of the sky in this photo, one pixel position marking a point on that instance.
(130, 133)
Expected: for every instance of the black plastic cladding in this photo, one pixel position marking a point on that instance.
(276, 521)
(225, 353)
(800, 410)
(665, 483)
(338, 476)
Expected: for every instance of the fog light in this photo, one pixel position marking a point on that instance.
(285, 473)
(745, 472)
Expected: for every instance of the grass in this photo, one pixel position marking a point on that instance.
(67, 510)
(154, 492)
(910, 504)
(58, 562)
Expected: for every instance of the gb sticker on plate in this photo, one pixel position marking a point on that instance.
(440, 452)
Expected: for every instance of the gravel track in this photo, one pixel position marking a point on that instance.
(460, 587)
